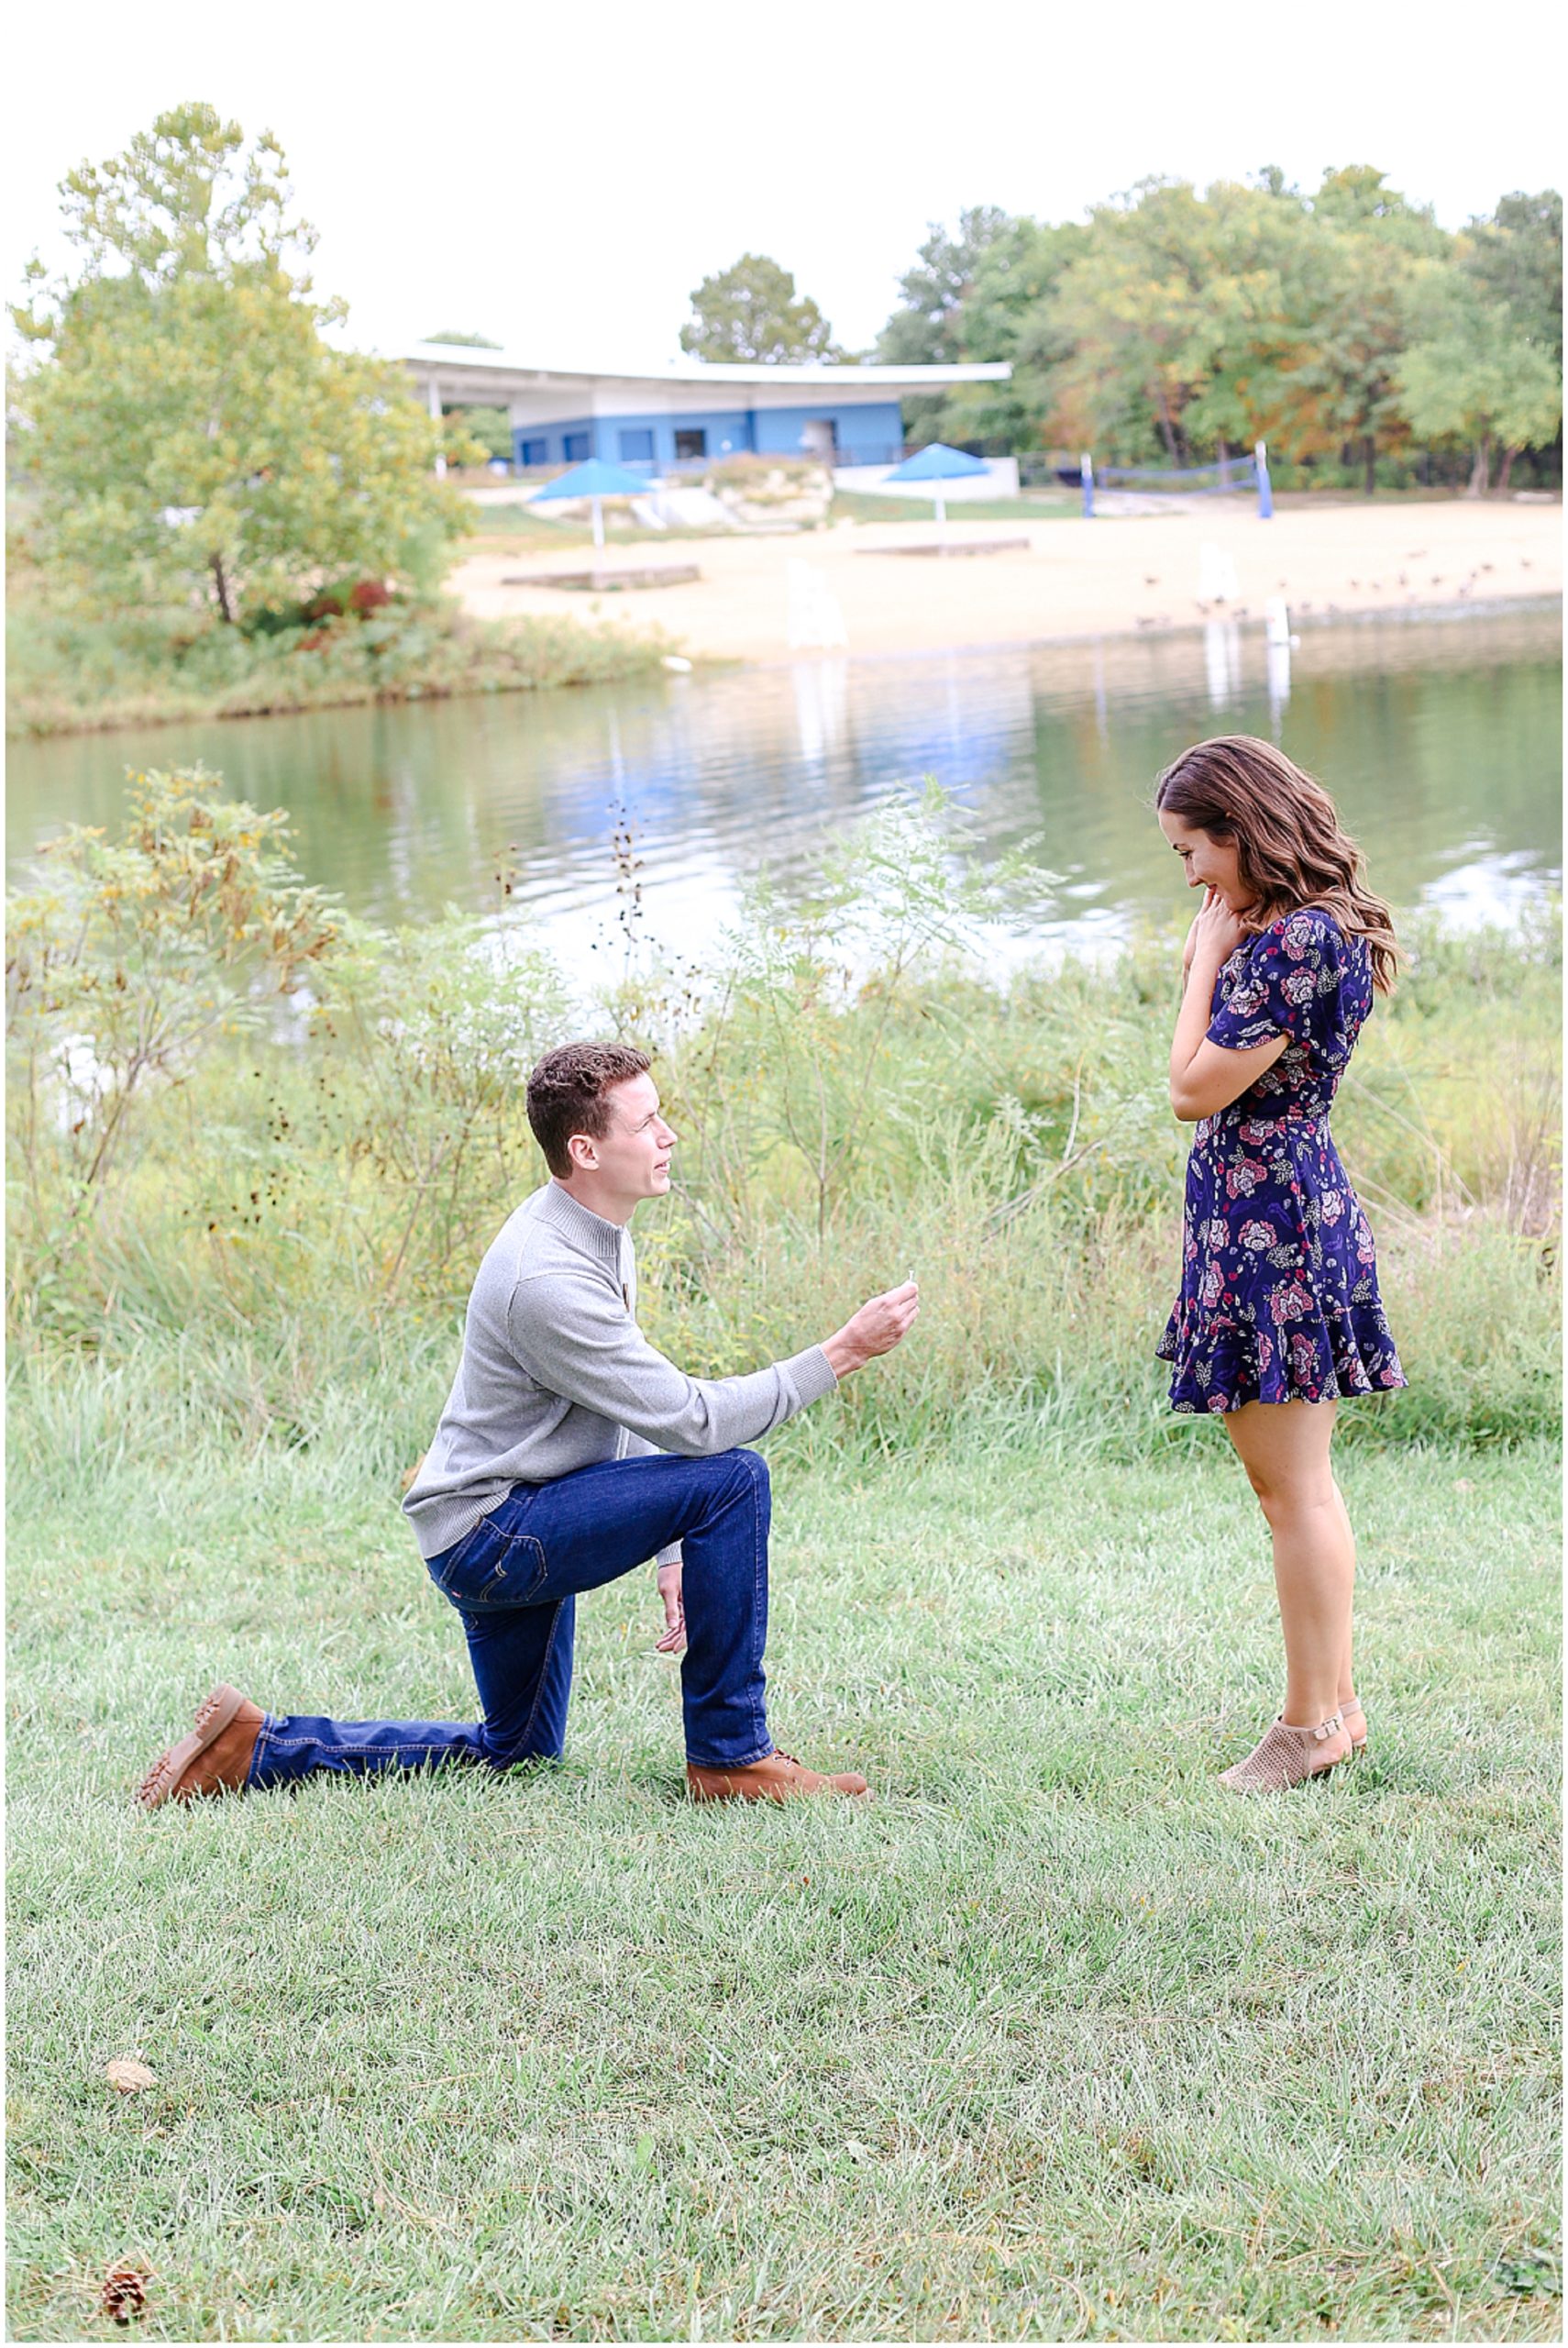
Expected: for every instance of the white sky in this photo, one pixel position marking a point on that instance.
(560, 178)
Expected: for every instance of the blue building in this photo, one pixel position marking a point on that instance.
(687, 415)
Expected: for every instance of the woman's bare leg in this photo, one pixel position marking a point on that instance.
(1347, 1675)
(1284, 1446)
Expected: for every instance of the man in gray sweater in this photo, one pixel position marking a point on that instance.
(570, 1451)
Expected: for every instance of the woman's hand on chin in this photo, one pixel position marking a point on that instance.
(1215, 934)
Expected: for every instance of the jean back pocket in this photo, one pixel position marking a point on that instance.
(489, 1567)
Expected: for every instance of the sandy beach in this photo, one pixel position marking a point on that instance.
(773, 598)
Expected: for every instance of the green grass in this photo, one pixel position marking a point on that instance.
(856, 505)
(511, 529)
(1055, 2041)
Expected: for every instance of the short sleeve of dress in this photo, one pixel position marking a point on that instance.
(1288, 985)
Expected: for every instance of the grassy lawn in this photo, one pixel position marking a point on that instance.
(1038, 506)
(1055, 2040)
(511, 529)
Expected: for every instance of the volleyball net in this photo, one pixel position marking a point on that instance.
(1230, 474)
(1241, 475)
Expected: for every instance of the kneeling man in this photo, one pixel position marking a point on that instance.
(570, 1452)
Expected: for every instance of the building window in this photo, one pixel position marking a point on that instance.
(574, 447)
(636, 446)
(690, 444)
(536, 452)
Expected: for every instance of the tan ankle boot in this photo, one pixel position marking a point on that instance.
(1286, 1756)
(774, 1779)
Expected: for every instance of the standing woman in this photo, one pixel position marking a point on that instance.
(1279, 1312)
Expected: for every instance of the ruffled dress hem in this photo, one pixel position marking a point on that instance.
(1228, 1364)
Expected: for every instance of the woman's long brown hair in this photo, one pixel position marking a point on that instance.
(1290, 850)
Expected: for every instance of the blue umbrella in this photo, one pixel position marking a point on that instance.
(937, 463)
(596, 480)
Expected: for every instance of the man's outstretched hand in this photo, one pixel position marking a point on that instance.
(876, 1329)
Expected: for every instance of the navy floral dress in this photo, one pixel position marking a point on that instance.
(1279, 1298)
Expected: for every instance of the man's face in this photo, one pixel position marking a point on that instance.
(632, 1157)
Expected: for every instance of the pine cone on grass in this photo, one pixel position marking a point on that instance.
(123, 2297)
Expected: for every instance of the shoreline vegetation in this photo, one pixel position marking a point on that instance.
(260, 1140)
(70, 670)
(70, 673)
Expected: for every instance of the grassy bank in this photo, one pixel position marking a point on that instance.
(1056, 2041)
(71, 674)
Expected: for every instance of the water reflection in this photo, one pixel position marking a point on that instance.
(1440, 743)
(1277, 654)
(1278, 646)
(1222, 660)
(822, 711)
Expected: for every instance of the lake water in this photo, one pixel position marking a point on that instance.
(1441, 741)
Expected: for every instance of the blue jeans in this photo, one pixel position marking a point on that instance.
(515, 1581)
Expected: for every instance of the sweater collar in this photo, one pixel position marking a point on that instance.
(591, 1232)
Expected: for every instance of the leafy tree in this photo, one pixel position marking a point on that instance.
(1472, 374)
(1261, 237)
(1517, 257)
(925, 330)
(1486, 354)
(750, 314)
(190, 430)
(1196, 323)
(1009, 313)
(1167, 320)
(1018, 273)
(473, 341)
(1348, 314)
(491, 427)
(981, 292)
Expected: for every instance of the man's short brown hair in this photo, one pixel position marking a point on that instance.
(569, 1093)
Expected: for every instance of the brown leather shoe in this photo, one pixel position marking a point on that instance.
(774, 1779)
(214, 1759)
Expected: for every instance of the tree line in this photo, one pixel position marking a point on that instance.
(1345, 327)
(185, 433)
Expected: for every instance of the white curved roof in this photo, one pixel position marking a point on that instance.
(504, 372)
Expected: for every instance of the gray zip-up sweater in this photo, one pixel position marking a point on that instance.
(556, 1374)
